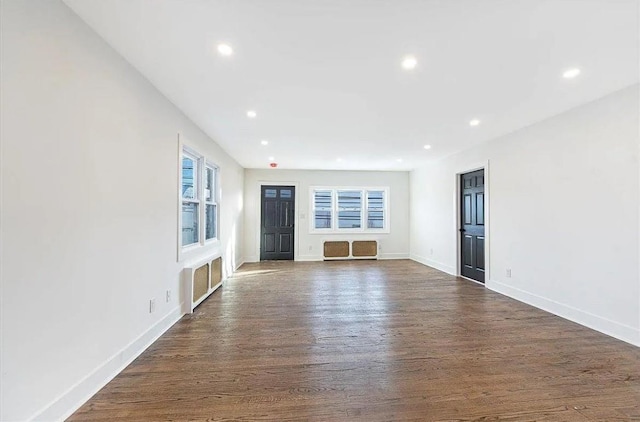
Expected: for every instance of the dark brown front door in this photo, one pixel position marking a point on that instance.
(277, 217)
(472, 225)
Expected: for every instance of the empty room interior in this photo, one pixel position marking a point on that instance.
(320, 210)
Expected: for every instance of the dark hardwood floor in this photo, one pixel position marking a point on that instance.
(371, 341)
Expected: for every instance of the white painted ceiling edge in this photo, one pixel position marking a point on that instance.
(325, 77)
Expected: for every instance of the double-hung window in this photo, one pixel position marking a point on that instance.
(337, 210)
(375, 209)
(322, 209)
(190, 199)
(198, 199)
(349, 209)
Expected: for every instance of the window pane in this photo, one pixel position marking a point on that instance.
(375, 209)
(349, 207)
(322, 199)
(209, 184)
(348, 219)
(285, 193)
(189, 223)
(350, 199)
(270, 193)
(322, 219)
(375, 199)
(375, 219)
(210, 220)
(189, 175)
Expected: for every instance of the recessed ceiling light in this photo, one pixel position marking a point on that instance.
(409, 62)
(474, 122)
(271, 158)
(571, 73)
(264, 142)
(338, 159)
(225, 49)
(399, 160)
(427, 147)
(251, 114)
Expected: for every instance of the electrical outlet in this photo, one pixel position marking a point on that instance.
(509, 272)
(152, 306)
(168, 296)
(431, 251)
(310, 248)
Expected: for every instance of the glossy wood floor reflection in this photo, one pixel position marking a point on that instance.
(371, 341)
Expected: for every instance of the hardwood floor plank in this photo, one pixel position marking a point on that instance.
(371, 341)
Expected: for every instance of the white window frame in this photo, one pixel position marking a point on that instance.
(199, 198)
(331, 209)
(366, 208)
(338, 208)
(197, 188)
(363, 210)
(214, 200)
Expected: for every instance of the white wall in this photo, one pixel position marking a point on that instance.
(89, 210)
(564, 206)
(395, 244)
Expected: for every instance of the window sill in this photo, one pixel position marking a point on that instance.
(189, 251)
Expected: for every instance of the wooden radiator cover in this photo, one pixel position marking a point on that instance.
(364, 248)
(200, 282)
(336, 249)
(216, 272)
(201, 278)
(346, 249)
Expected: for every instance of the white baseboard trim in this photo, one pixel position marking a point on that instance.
(434, 264)
(612, 328)
(71, 400)
(309, 258)
(393, 255)
(239, 264)
(252, 258)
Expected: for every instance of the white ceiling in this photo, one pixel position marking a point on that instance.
(325, 79)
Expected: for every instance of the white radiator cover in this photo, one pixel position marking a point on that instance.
(194, 292)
